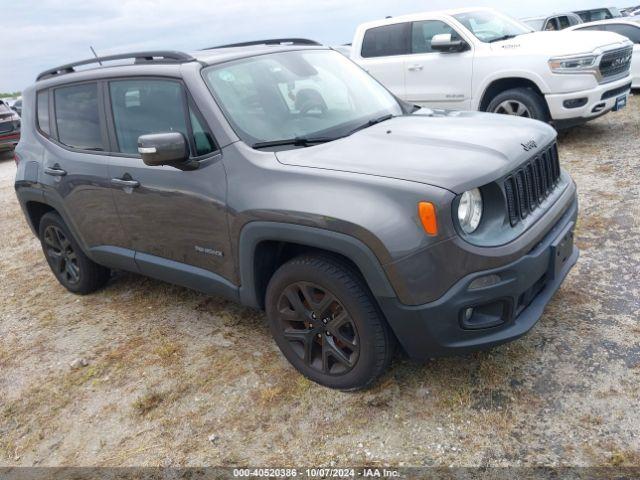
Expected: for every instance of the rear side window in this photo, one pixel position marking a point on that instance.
(77, 116)
(43, 111)
(141, 107)
(595, 15)
(423, 32)
(629, 31)
(386, 41)
(593, 27)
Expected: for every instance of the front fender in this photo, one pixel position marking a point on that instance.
(255, 232)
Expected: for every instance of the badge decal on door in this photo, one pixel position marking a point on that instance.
(209, 251)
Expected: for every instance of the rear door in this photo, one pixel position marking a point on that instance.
(435, 79)
(168, 214)
(75, 166)
(383, 52)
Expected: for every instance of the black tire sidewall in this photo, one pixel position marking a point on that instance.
(528, 97)
(363, 313)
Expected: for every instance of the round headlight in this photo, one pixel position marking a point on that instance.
(470, 210)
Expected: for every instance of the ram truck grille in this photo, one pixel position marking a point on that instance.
(616, 63)
(527, 187)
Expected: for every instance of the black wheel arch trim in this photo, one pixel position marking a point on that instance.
(253, 233)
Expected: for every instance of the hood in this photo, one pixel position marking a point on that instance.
(452, 150)
(563, 42)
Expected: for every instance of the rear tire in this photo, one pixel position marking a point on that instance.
(326, 323)
(522, 102)
(73, 269)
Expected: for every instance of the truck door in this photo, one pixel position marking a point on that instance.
(435, 79)
(383, 53)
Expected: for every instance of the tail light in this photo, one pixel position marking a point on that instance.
(16, 158)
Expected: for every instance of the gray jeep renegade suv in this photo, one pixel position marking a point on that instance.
(288, 179)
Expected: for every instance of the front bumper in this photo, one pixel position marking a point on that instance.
(525, 287)
(9, 141)
(600, 100)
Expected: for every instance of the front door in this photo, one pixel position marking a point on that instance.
(434, 79)
(174, 218)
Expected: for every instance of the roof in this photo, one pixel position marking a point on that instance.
(420, 15)
(163, 58)
(226, 54)
(544, 17)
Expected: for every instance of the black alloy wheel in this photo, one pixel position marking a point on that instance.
(318, 328)
(61, 255)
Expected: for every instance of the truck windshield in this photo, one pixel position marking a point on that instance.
(490, 26)
(300, 97)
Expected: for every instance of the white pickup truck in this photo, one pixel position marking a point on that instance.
(480, 59)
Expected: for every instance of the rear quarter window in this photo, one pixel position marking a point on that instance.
(42, 105)
(386, 41)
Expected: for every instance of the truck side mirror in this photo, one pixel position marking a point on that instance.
(445, 44)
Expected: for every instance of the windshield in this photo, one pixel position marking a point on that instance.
(489, 26)
(297, 94)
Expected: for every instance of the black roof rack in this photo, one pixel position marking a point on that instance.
(140, 57)
(272, 41)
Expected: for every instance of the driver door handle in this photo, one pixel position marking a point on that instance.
(125, 183)
(415, 68)
(55, 171)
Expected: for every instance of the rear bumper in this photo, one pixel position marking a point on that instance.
(599, 100)
(524, 289)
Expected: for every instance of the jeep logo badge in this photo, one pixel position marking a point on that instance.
(529, 145)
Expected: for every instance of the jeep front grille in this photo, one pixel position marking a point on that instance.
(527, 187)
(616, 63)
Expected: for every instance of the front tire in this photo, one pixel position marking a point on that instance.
(71, 267)
(521, 102)
(324, 320)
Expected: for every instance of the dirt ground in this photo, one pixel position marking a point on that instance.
(174, 377)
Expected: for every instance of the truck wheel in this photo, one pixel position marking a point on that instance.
(522, 102)
(326, 323)
(73, 269)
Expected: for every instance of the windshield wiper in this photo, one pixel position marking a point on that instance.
(503, 37)
(298, 142)
(308, 141)
(371, 123)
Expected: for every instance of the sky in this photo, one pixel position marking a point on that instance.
(40, 34)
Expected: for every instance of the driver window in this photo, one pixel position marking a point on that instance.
(423, 32)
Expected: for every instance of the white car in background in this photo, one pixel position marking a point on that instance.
(626, 28)
(480, 59)
(558, 21)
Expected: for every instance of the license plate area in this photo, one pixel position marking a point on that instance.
(621, 102)
(561, 250)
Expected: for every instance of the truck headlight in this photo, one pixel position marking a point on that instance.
(470, 210)
(576, 64)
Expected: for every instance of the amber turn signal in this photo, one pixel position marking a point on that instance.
(427, 214)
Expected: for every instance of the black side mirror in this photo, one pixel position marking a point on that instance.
(445, 44)
(164, 149)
